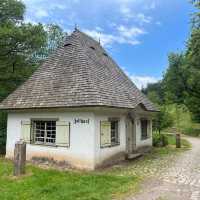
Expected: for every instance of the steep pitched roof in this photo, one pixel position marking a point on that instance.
(80, 73)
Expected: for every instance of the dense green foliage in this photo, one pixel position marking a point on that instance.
(163, 120)
(160, 140)
(173, 80)
(23, 46)
(179, 90)
(18, 44)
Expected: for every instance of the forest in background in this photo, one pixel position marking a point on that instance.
(24, 46)
(178, 93)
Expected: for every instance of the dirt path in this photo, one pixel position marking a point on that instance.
(181, 181)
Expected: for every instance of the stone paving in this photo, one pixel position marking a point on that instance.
(180, 180)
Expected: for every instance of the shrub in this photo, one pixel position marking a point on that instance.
(160, 140)
(192, 132)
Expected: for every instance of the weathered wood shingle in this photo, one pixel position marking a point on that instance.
(80, 73)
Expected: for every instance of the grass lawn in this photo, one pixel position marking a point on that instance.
(52, 184)
(172, 141)
(49, 184)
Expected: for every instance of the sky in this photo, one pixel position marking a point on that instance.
(138, 34)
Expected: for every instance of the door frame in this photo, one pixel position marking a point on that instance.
(130, 135)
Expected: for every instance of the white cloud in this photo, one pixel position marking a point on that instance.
(143, 81)
(130, 32)
(143, 18)
(122, 35)
(129, 14)
(40, 13)
(99, 29)
(126, 12)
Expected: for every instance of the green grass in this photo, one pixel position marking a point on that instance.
(183, 120)
(115, 182)
(52, 184)
(172, 141)
(192, 131)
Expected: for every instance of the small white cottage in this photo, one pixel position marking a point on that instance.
(79, 107)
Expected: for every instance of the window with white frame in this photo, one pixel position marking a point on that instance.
(44, 132)
(144, 128)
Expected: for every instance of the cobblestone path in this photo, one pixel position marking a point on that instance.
(180, 181)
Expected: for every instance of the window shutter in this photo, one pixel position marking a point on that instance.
(105, 132)
(62, 133)
(25, 131)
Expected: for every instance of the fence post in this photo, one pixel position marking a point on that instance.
(19, 158)
(178, 140)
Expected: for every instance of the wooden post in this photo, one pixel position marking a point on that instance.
(178, 140)
(19, 158)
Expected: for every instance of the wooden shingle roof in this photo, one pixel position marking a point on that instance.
(80, 73)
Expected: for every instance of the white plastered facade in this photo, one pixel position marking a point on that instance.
(84, 151)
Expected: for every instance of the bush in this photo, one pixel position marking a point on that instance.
(163, 120)
(160, 140)
(192, 132)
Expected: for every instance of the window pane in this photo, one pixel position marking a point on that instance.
(44, 131)
(114, 132)
(144, 130)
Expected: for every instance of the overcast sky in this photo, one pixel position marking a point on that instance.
(138, 34)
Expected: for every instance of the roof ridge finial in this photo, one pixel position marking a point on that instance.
(75, 27)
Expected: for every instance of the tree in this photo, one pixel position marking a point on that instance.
(155, 93)
(163, 120)
(19, 42)
(55, 37)
(192, 69)
(196, 15)
(174, 79)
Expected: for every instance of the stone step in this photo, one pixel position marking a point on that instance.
(132, 156)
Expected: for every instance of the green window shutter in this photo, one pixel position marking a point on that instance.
(62, 133)
(25, 131)
(105, 132)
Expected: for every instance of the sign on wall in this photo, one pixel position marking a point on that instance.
(81, 121)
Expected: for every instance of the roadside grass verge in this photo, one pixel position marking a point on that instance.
(185, 144)
(51, 184)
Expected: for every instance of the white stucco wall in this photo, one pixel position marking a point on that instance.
(84, 150)
(102, 154)
(81, 151)
(139, 141)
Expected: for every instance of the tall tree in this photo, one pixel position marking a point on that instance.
(196, 15)
(155, 92)
(192, 69)
(192, 66)
(55, 37)
(174, 80)
(19, 42)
